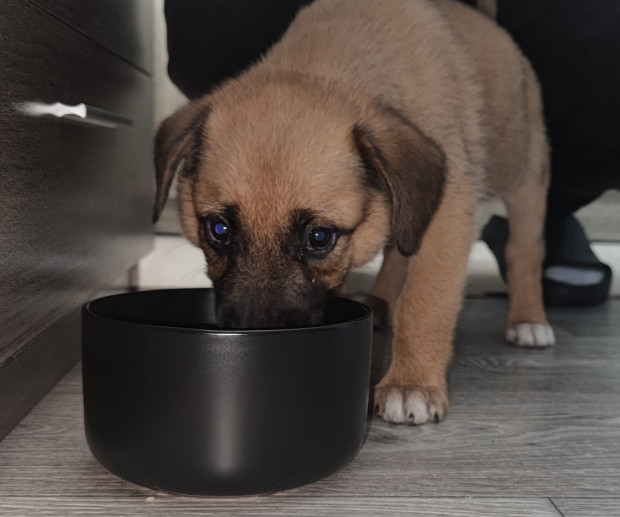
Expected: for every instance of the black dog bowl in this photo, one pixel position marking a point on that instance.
(174, 403)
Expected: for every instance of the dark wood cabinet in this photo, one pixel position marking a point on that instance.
(123, 27)
(75, 197)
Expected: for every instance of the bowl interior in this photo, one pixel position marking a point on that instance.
(195, 309)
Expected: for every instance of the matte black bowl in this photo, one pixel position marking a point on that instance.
(174, 403)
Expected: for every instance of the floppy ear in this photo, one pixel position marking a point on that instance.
(406, 165)
(176, 146)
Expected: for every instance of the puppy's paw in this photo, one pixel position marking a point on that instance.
(410, 405)
(533, 335)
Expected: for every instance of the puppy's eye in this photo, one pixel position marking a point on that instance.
(321, 239)
(219, 230)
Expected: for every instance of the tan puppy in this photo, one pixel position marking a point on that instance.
(370, 124)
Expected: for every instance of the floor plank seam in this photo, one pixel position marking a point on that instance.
(556, 507)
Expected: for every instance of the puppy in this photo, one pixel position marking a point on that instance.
(370, 125)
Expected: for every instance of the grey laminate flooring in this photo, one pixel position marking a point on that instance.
(530, 432)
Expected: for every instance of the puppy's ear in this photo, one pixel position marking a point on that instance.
(176, 146)
(402, 162)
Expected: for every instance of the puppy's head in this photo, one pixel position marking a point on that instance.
(286, 185)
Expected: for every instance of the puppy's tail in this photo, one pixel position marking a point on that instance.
(488, 7)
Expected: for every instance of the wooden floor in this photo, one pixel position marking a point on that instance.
(529, 433)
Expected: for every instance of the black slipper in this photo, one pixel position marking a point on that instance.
(573, 275)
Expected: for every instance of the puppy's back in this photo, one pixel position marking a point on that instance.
(449, 67)
(512, 105)
(379, 47)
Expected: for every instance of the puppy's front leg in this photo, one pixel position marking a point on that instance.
(414, 390)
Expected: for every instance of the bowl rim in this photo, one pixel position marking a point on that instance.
(86, 308)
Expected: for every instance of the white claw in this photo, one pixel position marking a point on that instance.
(415, 405)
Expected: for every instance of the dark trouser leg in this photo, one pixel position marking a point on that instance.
(212, 40)
(572, 46)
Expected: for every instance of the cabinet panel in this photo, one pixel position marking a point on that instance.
(123, 26)
(75, 199)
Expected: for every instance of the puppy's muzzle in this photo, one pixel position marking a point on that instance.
(255, 313)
